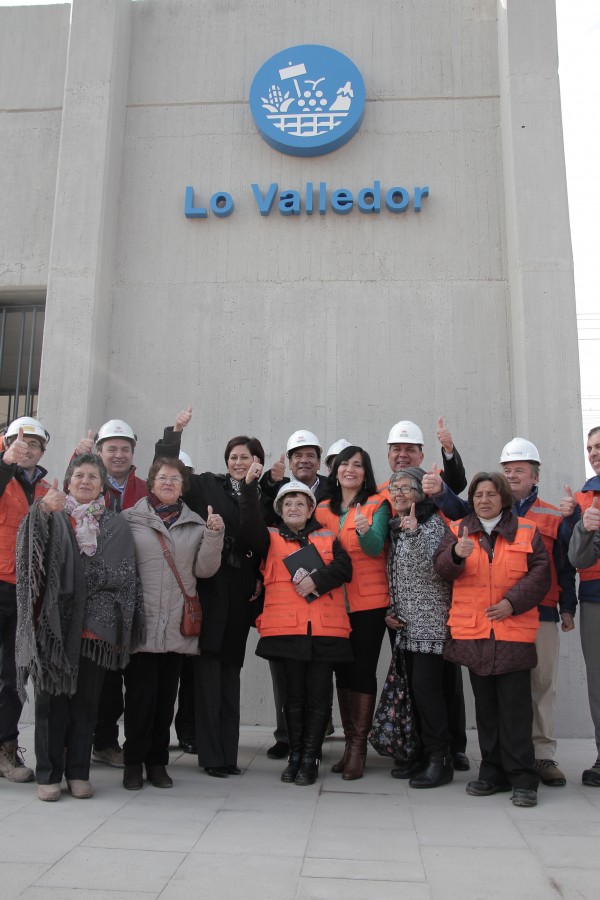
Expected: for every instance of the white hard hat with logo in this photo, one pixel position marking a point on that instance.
(186, 459)
(31, 428)
(518, 450)
(303, 439)
(116, 428)
(405, 432)
(293, 487)
(336, 448)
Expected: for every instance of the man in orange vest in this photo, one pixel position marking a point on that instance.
(584, 504)
(521, 462)
(21, 482)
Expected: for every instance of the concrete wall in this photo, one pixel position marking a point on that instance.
(341, 324)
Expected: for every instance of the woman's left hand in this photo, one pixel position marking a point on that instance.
(214, 521)
(500, 610)
(306, 587)
(409, 522)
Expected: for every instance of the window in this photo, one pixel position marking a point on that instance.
(21, 331)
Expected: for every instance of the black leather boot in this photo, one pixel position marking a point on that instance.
(439, 771)
(315, 726)
(294, 720)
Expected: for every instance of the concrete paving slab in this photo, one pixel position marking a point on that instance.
(113, 869)
(576, 884)
(454, 826)
(346, 889)
(206, 876)
(485, 873)
(364, 869)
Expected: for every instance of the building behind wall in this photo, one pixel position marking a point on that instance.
(343, 324)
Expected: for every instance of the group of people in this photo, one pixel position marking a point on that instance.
(95, 577)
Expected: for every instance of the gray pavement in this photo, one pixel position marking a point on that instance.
(254, 837)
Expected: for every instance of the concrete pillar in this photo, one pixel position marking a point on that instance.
(76, 338)
(539, 260)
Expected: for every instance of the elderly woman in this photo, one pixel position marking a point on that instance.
(173, 547)
(359, 516)
(227, 608)
(80, 612)
(304, 623)
(419, 601)
(501, 571)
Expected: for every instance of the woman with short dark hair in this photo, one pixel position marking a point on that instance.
(501, 571)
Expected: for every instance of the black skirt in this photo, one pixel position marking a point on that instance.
(305, 647)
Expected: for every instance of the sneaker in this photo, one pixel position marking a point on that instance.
(524, 797)
(549, 773)
(12, 766)
(279, 750)
(48, 792)
(111, 756)
(591, 777)
(80, 789)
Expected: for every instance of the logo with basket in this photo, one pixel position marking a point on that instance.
(308, 100)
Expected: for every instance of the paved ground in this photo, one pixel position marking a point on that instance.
(254, 837)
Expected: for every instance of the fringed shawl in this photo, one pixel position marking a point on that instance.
(70, 605)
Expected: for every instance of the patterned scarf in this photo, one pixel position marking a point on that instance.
(167, 512)
(86, 517)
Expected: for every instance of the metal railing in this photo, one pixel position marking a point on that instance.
(21, 332)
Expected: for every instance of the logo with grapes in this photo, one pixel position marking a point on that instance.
(308, 100)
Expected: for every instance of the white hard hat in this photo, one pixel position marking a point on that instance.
(116, 428)
(337, 447)
(520, 449)
(302, 439)
(405, 432)
(31, 427)
(293, 487)
(186, 459)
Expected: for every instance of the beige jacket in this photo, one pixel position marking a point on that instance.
(196, 552)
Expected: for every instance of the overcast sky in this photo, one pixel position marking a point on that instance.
(579, 69)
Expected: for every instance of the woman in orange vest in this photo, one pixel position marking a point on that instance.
(360, 516)
(304, 623)
(501, 571)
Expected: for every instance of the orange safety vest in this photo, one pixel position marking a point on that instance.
(547, 518)
(585, 500)
(286, 612)
(484, 583)
(369, 587)
(14, 506)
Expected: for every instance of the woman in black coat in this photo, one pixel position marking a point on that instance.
(228, 610)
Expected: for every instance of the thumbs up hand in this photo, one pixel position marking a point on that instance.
(409, 522)
(183, 418)
(568, 503)
(464, 546)
(85, 445)
(432, 482)
(361, 523)
(214, 521)
(254, 471)
(444, 436)
(278, 469)
(54, 500)
(591, 517)
(17, 452)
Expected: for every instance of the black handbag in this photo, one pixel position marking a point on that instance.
(394, 730)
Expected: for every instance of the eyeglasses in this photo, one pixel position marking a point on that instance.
(401, 490)
(169, 479)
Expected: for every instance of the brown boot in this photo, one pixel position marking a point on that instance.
(345, 703)
(363, 707)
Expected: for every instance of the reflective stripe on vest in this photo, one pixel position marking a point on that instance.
(286, 612)
(14, 506)
(585, 500)
(484, 583)
(547, 519)
(369, 586)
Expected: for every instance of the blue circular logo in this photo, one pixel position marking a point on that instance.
(308, 100)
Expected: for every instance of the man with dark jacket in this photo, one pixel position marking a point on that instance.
(21, 482)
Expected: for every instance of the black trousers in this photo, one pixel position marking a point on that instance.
(110, 710)
(151, 681)
(454, 697)
(426, 678)
(67, 724)
(504, 722)
(10, 705)
(368, 628)
(185, 719)
(217, 695)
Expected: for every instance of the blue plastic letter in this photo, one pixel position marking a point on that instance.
(420, 192)
(392, 203)
(191, 211)
(265, 203)
(342, 201)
